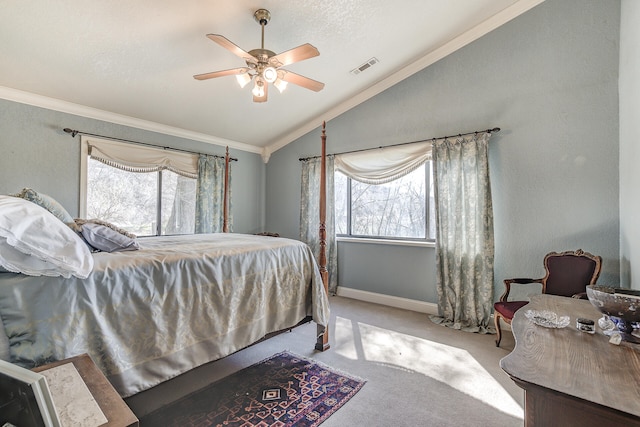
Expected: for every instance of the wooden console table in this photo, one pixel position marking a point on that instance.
(572, 378)
(117, 412)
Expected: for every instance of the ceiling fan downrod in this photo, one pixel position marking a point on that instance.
(262, 17)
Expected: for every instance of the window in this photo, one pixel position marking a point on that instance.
(400, 209)
(145, 190)
(144, 203)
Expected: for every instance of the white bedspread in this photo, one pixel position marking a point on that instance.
(179, 302)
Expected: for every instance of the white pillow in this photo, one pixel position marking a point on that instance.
(34, 242)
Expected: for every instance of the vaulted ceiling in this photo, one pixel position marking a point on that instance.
(133, 62)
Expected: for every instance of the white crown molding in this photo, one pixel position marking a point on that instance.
(23, 97)
(462, 40)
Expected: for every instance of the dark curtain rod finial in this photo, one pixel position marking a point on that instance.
(71, 131)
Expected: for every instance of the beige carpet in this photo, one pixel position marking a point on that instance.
(418, 373)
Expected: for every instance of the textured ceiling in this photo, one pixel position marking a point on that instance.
(132, 62)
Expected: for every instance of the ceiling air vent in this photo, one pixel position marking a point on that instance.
(364, 66)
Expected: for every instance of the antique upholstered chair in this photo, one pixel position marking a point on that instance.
(567, 274)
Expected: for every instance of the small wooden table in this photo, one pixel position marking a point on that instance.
(572, 378)
(117, 412)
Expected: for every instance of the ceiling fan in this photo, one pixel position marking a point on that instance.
(263, 65)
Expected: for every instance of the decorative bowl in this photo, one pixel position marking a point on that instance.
(623, 305)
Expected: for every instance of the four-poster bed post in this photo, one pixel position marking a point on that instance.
(323, 333)
(225, 203)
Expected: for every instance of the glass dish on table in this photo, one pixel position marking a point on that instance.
(547, 318)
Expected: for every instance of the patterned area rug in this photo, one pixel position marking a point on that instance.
(283, 390)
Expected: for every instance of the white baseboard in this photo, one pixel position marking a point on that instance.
(389, 300)
(397, 302)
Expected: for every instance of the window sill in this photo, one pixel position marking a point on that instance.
(386, 242)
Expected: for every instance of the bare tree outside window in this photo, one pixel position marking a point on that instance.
(130, 199)
(401, 209)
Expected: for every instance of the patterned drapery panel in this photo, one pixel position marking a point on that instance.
(464, 233)
(310, 217)
(210, 195)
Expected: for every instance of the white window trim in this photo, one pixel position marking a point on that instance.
(393, 242)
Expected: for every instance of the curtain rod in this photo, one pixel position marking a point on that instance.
(74, 132)
(403, 143)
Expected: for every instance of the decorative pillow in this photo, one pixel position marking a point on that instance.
(80, 222)
(34, 242)
(105, 238)
(47, 202)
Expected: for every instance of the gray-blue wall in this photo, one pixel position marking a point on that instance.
(36, 153)
(549, 80)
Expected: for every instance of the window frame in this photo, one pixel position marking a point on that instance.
(418, 241)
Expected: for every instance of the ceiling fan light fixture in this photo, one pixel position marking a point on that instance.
(243, 79)
(280, 84)
(258, 89)
(269, 74)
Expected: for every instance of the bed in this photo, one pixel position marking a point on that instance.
(149, 314)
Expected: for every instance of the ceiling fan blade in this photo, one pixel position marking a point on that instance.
(262, 98)
(303, 81)
(222, 73)
(232, 47)
(296, 54)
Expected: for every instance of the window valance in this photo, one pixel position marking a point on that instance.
(382, 165)
(139, 158)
